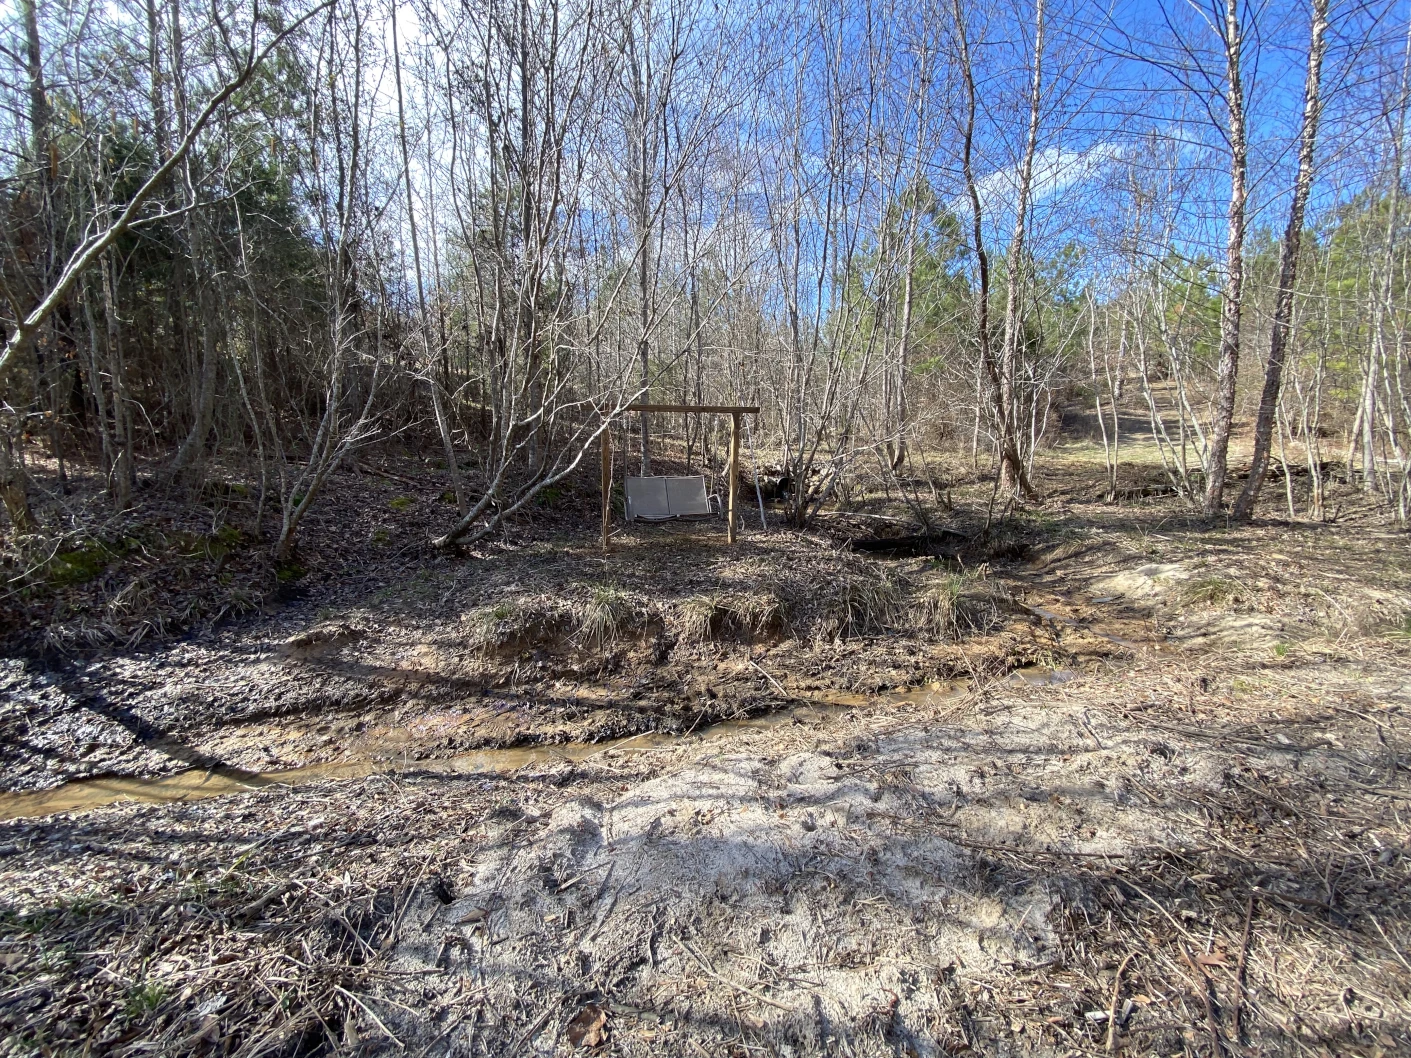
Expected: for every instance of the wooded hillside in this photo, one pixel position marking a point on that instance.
(244, 242)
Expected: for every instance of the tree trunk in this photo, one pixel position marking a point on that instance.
(443, 425)
(186, 466)
(12, 488)
(1232, 297)
(123, 471)
(642, 77)
(1288, 265)
(1014, 480)
(982, 259)
(14, 483)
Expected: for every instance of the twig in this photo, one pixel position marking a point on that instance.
(455, 1024)
(1394, 949)
(1112, 1007)
(1152, 900)
(1290, 898)
(528, 1033)
(1083, 720)
(1239, 968)
(385, 1030)
(738, 987)
(253, 909)
(1203, 986)
(368, 468)
(783, 693)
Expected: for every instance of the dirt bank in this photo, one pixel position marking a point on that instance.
(550, 643)
(1183, 831)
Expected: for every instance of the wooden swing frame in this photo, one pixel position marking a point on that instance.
(733, 463)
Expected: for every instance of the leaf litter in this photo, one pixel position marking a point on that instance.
(1191, 847)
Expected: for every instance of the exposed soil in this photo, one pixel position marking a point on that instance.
(547, 643)
(1180, 830)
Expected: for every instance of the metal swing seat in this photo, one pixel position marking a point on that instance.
(664, 498)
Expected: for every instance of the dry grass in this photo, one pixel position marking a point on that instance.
(960, 604)
(605, 614)
(857, 606)
(747, 615)
(517, 622)
(1216, 592)
(298, 902)
(590, 616)
(772, 591)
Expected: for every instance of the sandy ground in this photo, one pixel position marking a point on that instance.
(1183, 831)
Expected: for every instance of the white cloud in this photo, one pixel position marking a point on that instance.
(1056, 169)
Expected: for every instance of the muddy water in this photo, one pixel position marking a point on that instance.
(198, 783)
(1093, 629)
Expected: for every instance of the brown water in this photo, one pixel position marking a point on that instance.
(1083, 626)
(198, 783)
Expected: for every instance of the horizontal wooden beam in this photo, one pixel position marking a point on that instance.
(708, 409)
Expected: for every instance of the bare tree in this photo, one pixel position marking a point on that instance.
(1231, 33)
(247, 59)
(1288, 262)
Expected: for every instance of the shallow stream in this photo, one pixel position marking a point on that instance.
(199, 783)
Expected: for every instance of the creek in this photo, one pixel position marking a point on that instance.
(193, 784)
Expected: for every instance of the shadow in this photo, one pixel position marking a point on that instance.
(935, 908)
(749, 918)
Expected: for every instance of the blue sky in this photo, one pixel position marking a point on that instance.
(1156, 67)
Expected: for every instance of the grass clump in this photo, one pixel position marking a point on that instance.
(959, 604)
(698, 617)
(862, 605)
(592, 619)
(701, 618)
(1215, 592)
(402, 503)
(521, 620)
(604, 615)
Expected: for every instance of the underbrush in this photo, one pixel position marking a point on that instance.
(66, 591)
(869, 600)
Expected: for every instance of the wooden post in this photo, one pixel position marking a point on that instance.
(607, 481)
(734, 476)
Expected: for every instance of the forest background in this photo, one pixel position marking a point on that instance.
(253, 239)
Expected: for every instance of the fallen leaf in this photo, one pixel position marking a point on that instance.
(588, 1027)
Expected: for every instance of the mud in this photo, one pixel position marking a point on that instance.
(391, 756)
(510, 806)
(473, 655)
